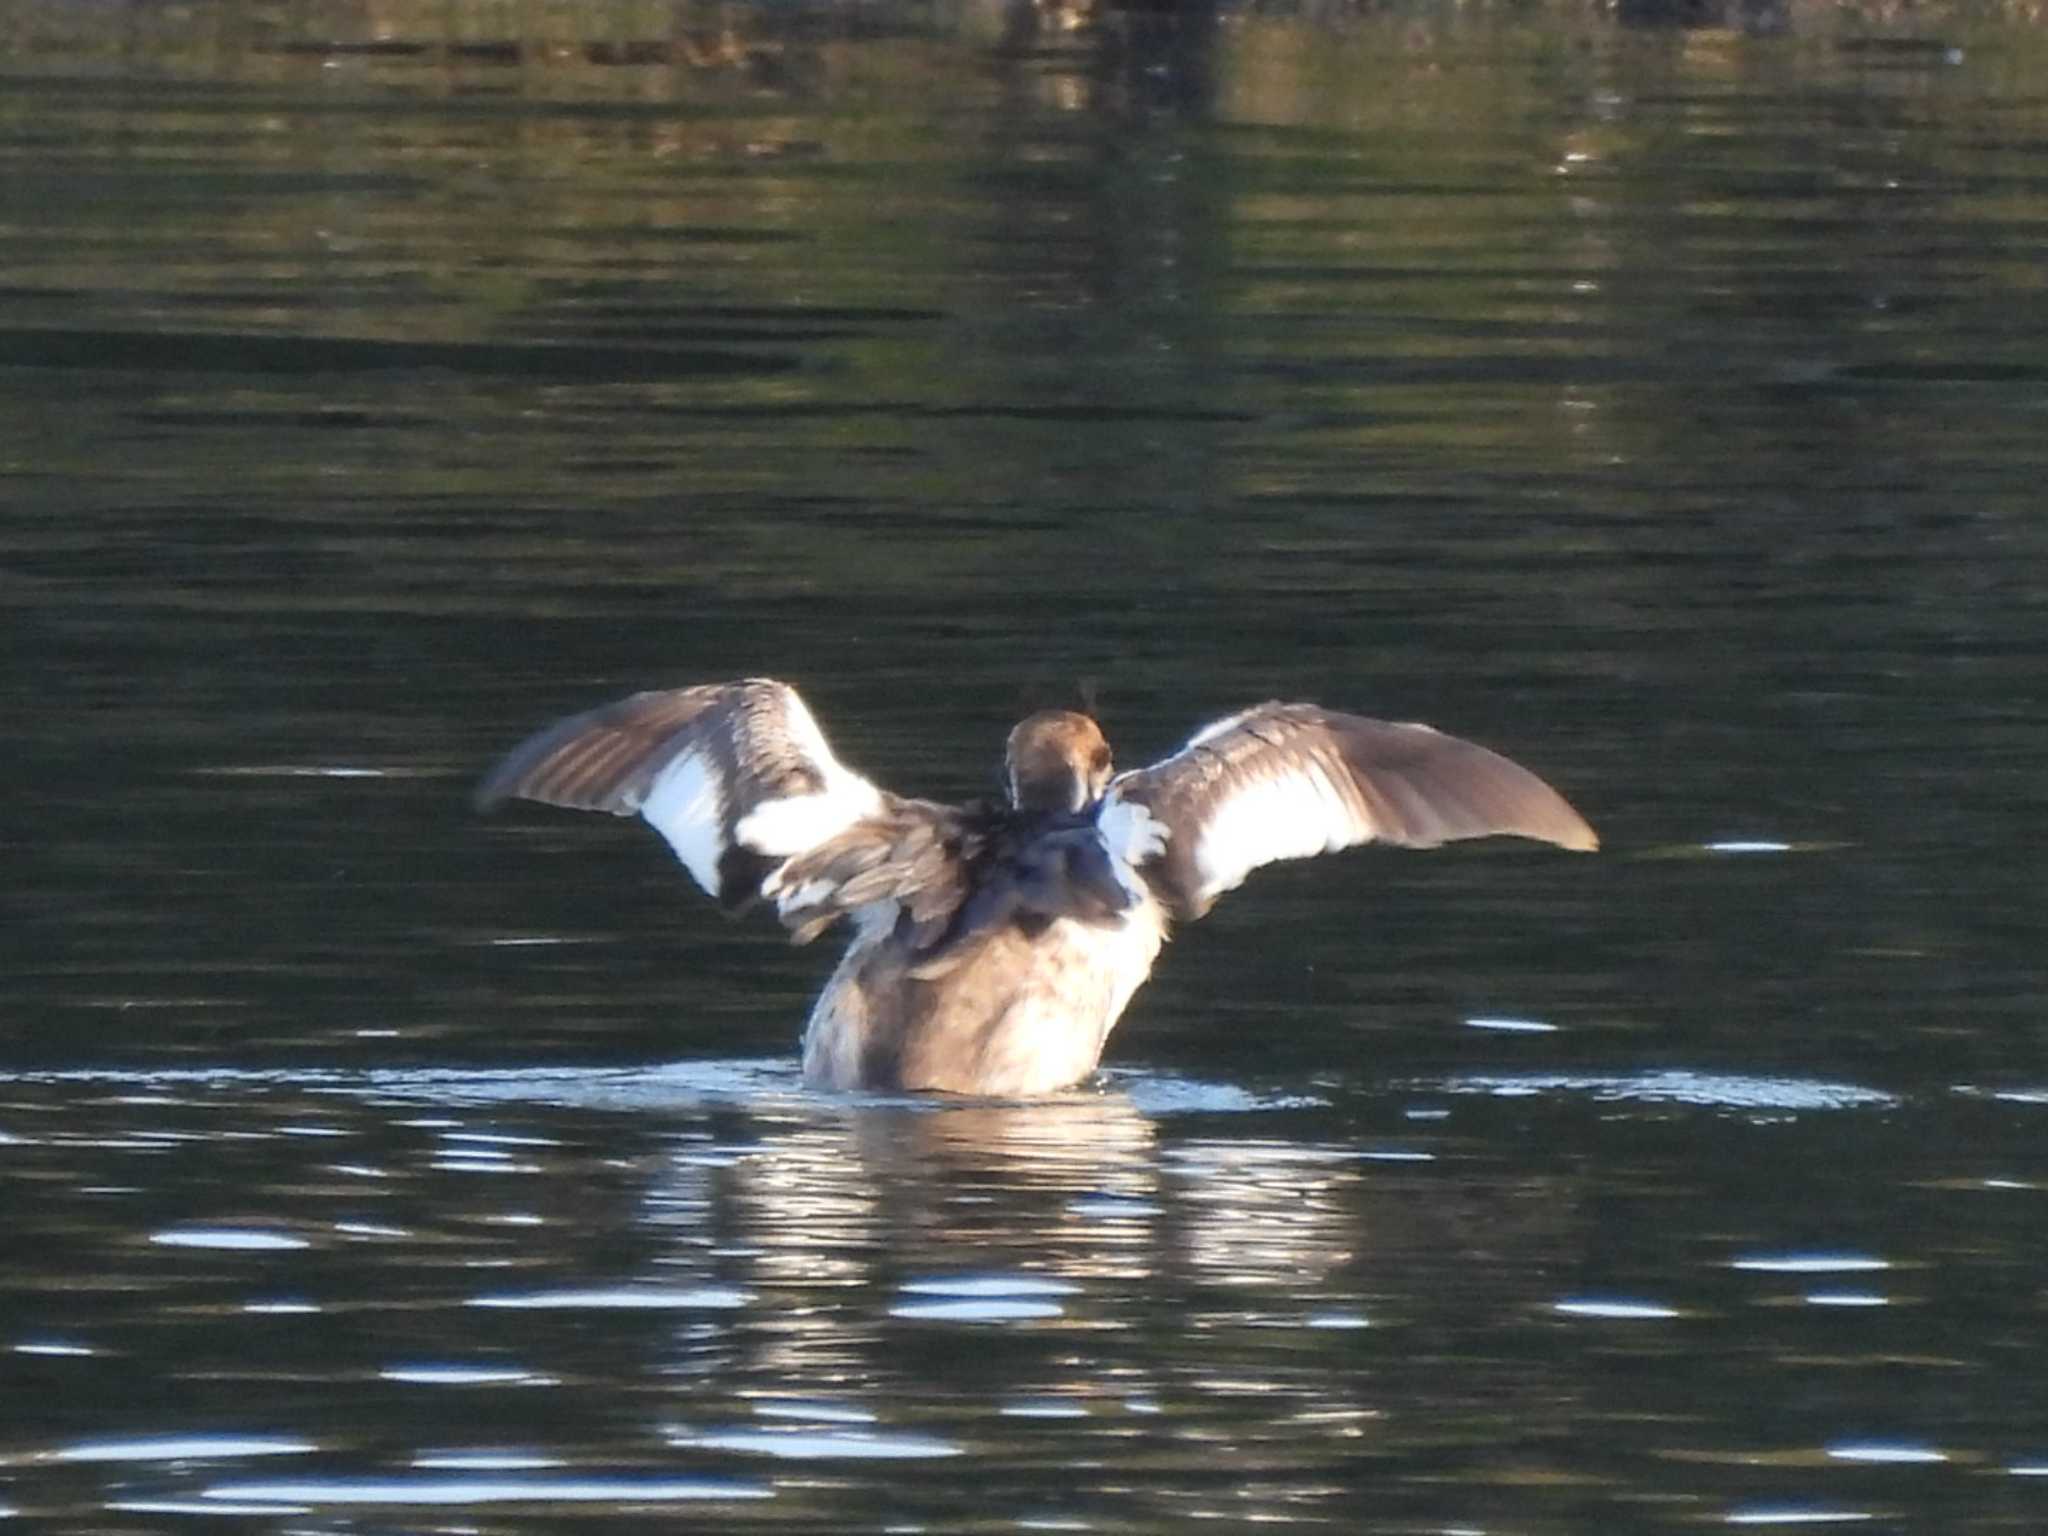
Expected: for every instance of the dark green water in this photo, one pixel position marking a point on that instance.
(1667, 408)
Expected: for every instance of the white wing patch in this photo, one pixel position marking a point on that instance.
(780, 828)
(685, 804)
(789, 826)
(1133, 835)
(1284, 815)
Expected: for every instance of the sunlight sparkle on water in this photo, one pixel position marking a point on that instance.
(993, 1309)
(991, 1285)
(1593, 1306)
(485, 1461)
(227, 1237)
(181, 1448)
(1701, 1089)
(811, 1410)
(1885, 1452)
(820, 1445)
(451, 1490)
(1810, 1263)
(465, 1375)
(1799, 1517)
(501, 1139)
(625, 1298)
(1114, 1208)
(985, 1298)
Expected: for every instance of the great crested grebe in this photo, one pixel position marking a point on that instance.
(996, 943)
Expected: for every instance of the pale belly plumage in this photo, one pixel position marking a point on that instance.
(1021, 1015)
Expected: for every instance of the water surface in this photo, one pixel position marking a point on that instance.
(1661, 405)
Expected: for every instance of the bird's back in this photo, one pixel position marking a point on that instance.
(1023, 1009)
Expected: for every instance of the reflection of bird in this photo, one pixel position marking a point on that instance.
(995, 944)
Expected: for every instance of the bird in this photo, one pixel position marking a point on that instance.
(996, 942)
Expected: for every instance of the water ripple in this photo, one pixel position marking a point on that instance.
(182, 1448)
(1707, 1090)
(249, 1238)
(983, 1298)
(820, 1445)
(1810, 1263)
(755, 1082)
(318, 1492)
(1614, 1308)
(625, 1298)
(431, 1374)
(1889, 1453)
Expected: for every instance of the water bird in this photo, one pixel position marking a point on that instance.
(996, 942)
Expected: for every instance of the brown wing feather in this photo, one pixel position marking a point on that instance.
(913, 853)
(606, 759)
(1284, 781)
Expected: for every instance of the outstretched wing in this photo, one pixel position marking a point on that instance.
(736, 777)
(1284, 781)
